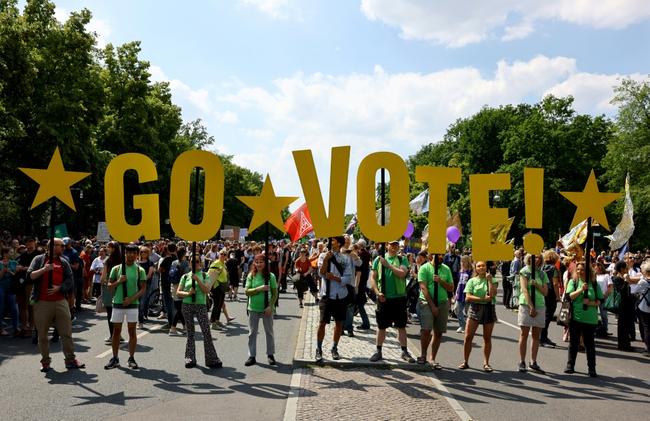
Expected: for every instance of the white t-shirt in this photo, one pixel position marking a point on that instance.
(634, 288)
(604, 281)
(97, 266)
(643, 286)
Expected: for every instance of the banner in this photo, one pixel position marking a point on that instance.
(103, 236)
(299, 223)
(577, 235)
(420, 204)
(625, 228)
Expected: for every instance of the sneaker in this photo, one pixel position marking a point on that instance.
(460, 330)
(536, 368)
(250, 361)
(189, 363)
(376, 357)
(406, 356)
(140, 325)
(272, 360)
(216, 364)
(175, 333)
(132, 364)
(108, 340)
(113, 363)
(45, 367)
(351, 333)
(548, 343)
(592, 373)
(319, 356)
(72, 364)
(335, 354)
(569, 370)
(522, 367)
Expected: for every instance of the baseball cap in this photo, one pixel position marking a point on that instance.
(394, 242)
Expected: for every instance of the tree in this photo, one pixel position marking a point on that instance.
(629, 152)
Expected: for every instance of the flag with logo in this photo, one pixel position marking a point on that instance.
(577, 235)
(299, 223)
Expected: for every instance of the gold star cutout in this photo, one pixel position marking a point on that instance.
(267, 207)
(55, 181)
(591, 202)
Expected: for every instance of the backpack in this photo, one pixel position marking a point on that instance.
(175, 273)
(613, 300)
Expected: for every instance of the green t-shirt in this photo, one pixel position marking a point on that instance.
(186, 285)
(589, 316)
(426, 274)
(218, 272)
(134, 276)
(540, 279)
(479, 287)
(395, 287)
(256, 302)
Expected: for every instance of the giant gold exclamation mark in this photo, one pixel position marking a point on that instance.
(533, 201)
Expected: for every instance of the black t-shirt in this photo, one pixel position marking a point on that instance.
(165, 265)
(146, 265)
(25, 260)
(239, 254)
(364, 269)
(232, 266)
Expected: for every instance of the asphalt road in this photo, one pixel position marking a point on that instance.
(621, 390)
(163, 386)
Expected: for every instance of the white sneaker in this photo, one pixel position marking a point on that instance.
(460, 330)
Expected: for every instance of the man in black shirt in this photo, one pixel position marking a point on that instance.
(165, 284)
(361, 297)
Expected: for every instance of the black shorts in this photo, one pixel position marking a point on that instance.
(391, 313)
(332, 309)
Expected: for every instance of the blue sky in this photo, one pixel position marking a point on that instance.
(271, 76)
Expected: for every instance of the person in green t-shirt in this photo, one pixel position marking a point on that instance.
(532, 311)
(193, 289)
(388, 281)
(262, 292)
(433, 305)
(481, 295)
(127, 283)
(585, 297)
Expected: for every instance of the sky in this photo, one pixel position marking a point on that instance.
(268, 77)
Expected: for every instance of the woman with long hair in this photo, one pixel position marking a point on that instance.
(459, 297)
(585, 296)
(114, 258)
(481, 295)
(532, 309)
(194, 305)
(262, 292)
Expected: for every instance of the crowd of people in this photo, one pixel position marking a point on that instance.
(44, 286)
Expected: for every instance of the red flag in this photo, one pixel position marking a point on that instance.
(299, 223)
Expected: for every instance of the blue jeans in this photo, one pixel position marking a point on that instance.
(143, 310)
(8, 302)
(168, 301)
(603, 316)
(460, 313)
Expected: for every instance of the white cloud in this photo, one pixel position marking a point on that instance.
(458, 23)
(277, 9)
(226, 117)
(379, 111)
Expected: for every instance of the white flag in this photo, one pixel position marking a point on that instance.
(625, 228)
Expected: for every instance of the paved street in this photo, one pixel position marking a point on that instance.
(162, 387)
(363, 390)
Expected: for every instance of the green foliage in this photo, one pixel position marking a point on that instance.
(629, 152)
(548, 134)
(58, 89)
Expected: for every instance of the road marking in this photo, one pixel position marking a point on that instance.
(291, 409)
(145, 333)
(509, 324)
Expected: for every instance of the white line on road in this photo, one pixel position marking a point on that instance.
(291, 409)
(509, 324)
(146, 332)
